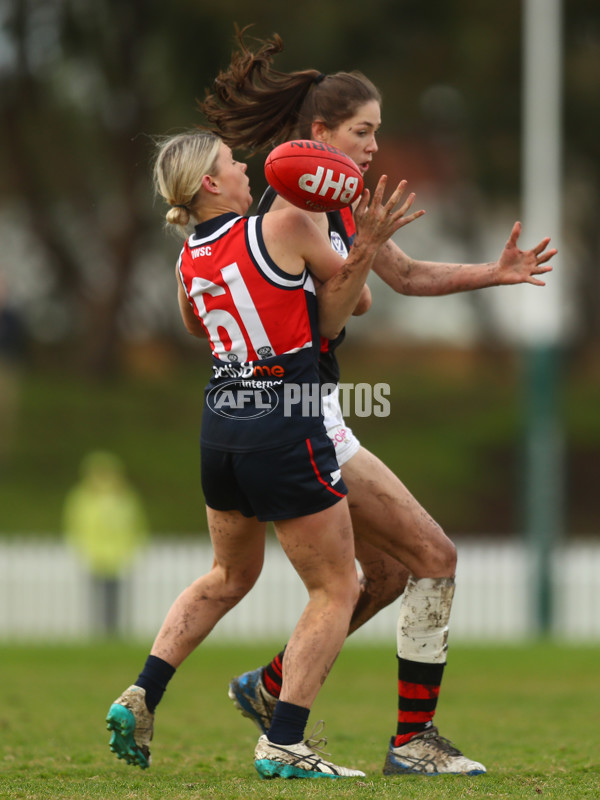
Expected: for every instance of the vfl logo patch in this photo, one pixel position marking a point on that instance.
(338, 244)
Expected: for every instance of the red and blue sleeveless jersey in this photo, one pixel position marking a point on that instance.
(250, 308)
(261, 323)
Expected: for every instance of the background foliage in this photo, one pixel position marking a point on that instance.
(454, 436)
(86, 85)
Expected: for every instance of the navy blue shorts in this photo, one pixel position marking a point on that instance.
(280, 483)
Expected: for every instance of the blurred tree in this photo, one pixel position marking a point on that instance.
(70, 95)
(582, 156)
(85, 84)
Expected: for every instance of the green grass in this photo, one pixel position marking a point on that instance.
(530, 714)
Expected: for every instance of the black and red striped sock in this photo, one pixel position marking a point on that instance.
(418, 690)
(273, 675)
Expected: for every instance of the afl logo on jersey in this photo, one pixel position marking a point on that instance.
(234, 401)
(338, 244)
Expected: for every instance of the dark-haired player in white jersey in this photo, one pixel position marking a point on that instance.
(244, 282)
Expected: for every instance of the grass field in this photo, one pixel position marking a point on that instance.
(530, 714)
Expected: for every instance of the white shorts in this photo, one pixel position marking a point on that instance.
(345, 442)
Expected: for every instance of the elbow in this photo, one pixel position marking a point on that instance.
(364, 303)
(329, 331)
(195, 330)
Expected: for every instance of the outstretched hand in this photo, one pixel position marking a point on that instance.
(521, 266)
(378, 221)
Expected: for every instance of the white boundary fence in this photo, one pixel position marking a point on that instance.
(45, 593)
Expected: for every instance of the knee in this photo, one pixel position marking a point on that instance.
(441, 562)
(236, 583)
(344, 592)
(354, 590)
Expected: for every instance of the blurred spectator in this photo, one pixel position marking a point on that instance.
(105, 522)
(12, 355)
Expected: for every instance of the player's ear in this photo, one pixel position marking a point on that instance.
(208, 184)
(320, 131)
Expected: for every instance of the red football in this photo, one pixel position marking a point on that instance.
(313, 175)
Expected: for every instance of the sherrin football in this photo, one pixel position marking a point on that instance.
(313, 175)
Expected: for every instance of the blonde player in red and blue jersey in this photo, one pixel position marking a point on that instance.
(401, 549)
(244, 283)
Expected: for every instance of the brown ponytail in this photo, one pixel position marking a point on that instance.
(255, 107)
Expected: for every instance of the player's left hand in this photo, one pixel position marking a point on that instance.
(521, 266)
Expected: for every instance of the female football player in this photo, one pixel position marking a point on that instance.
(401, 549)
(238, 278)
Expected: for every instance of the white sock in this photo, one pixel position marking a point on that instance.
(422, 633)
